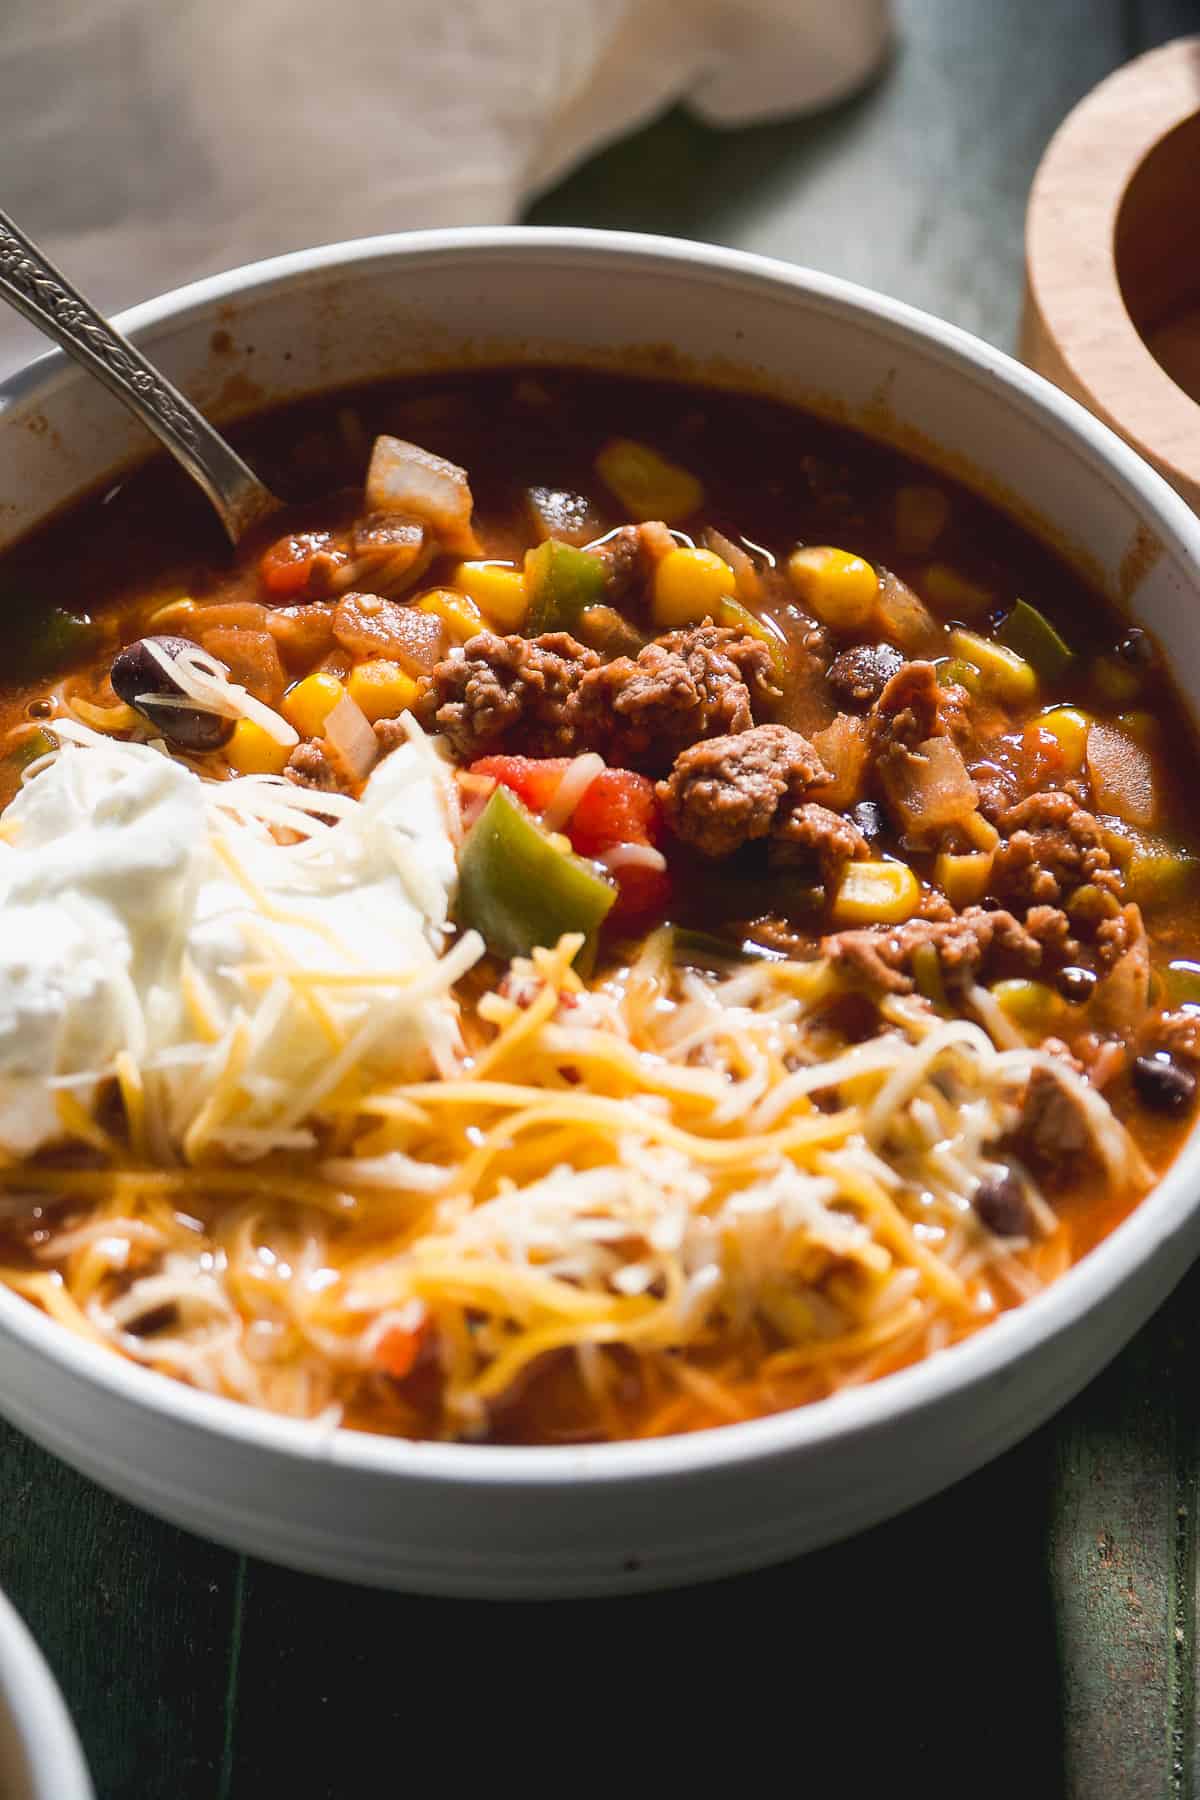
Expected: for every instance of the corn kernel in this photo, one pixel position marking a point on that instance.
(1070, 727)
(309, 703)
(253, 751)
(876, 893)
(1031, 1005)
(981, 831)
(381, 689)
(690, 585)
(841, 589)
(458, 612)
(646, 484)
(1008, 676)
(963, 878)
(497, 590)
(171, 612)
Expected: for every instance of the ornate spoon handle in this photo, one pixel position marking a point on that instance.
(31, 284)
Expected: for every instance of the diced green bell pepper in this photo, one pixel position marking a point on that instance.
(1181, 983)
(1002, 671)
(1159, 871)
(1155, 869)
(1031, 635)
(956, 671)
(518, 889)
(56, 638)
(703, 949)
(562, 583)
(27, 750)
(736, 617)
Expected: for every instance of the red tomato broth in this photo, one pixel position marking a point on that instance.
(772, 478)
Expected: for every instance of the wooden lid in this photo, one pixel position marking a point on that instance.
(1112, 296)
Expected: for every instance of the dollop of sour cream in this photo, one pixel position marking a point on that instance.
(233, 957)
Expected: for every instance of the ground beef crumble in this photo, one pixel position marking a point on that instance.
(826, 836)
(1052, 846)
(1053, 1131)
(912, 705)
(1178, 1033)
(628, 556)
(964, 944)
(311, 766)
(551, 695)
(499, 683)
(733, 789)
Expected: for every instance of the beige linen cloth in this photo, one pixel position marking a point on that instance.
(148, 142)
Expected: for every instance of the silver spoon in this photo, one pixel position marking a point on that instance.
(32, 284)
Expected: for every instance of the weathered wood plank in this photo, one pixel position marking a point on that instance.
(1122, 1556)
(133, 1617)
(916, 186)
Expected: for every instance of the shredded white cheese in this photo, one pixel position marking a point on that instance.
(223, 948)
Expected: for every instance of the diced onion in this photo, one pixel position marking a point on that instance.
(193, 672)
(1122, 774)
(749, 582)
(104, 718)
(632, 856)
(206, 687)
(932, 790)
(348, 731)
(404, 478)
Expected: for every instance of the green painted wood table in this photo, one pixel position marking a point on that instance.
(1030, 1633)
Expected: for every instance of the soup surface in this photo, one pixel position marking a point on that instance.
(627, 908)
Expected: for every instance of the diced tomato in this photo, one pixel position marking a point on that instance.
(619, 807)
(397, 1351)
(286, 568)
(643, 893)
(1042, 759)
(532, 779)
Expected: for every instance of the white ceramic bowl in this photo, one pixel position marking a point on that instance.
(462, 1519)
(40, 1758)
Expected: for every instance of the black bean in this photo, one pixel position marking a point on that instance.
(868, 816)
(1159, 1082)
(1001, 1205)
(135, 671)
(1137, 647)
(1076, 984)
(157, 1319)
(141, 682)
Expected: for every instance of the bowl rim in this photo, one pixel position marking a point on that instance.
(41, 1724)
(1156, 1223)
